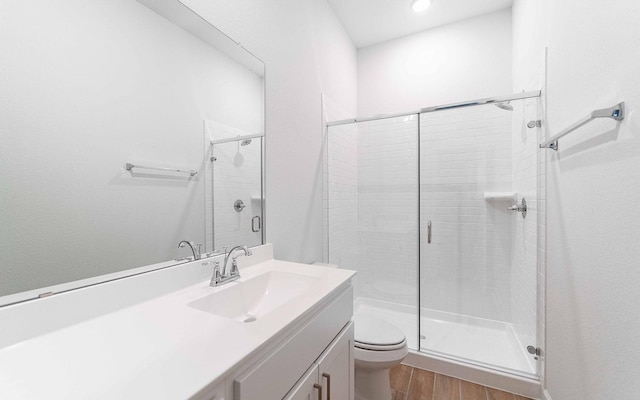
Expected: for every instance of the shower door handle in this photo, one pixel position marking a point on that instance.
(255, 224)
(429, 232)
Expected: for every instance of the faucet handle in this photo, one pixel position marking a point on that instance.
(234, 267)
(217, 277)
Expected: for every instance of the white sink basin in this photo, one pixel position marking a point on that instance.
(252, 299)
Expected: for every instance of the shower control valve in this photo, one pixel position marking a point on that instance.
(238, 205)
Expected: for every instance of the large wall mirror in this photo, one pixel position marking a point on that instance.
(127, 126)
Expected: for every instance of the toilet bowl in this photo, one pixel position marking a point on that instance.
(378, 346)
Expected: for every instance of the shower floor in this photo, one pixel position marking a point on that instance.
(476, 339)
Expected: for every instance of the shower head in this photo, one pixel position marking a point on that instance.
(504, 106)
(245, 142)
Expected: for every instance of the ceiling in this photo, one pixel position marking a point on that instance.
(373, 21)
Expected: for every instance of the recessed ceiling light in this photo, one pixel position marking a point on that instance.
(420, 5)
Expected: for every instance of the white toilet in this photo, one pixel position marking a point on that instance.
(379, 346)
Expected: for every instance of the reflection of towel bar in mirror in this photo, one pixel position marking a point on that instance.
(130, 166)
(616, 112)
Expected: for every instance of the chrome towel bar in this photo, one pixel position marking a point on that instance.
(616, 112)
(130, 166)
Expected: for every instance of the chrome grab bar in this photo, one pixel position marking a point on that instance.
(616, 112)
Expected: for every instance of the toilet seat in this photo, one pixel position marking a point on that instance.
(373, 347)
(377, 335)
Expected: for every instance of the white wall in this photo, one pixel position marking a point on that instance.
(593, 181)
(462, 61)
(306, 52)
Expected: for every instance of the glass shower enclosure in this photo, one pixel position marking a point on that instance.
(427, 207)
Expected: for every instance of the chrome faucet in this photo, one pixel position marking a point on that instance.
(193, 246)
(222, 277)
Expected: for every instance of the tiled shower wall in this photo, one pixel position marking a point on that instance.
(465, 153)
(388, 209)
(343, 202)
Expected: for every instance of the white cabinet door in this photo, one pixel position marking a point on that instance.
(336, 369)
(273, 376)
(307, 387)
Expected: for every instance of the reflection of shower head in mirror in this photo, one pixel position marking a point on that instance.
(239, 158)
(504, 105)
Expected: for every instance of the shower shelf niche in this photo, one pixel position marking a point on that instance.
(500, 196)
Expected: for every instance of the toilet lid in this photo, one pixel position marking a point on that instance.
(376, 334)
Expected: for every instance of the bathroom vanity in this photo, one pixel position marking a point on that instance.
(283, 330)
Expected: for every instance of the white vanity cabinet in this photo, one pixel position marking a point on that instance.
(317, 356)
(332, 375)
(217, 393)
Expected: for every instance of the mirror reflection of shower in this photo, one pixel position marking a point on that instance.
(234, 193)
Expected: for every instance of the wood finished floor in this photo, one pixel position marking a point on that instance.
(408, 383)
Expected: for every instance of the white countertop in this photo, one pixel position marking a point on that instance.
(162, 348)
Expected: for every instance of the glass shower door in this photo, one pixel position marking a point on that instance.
(478, 261)
(372, 216)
